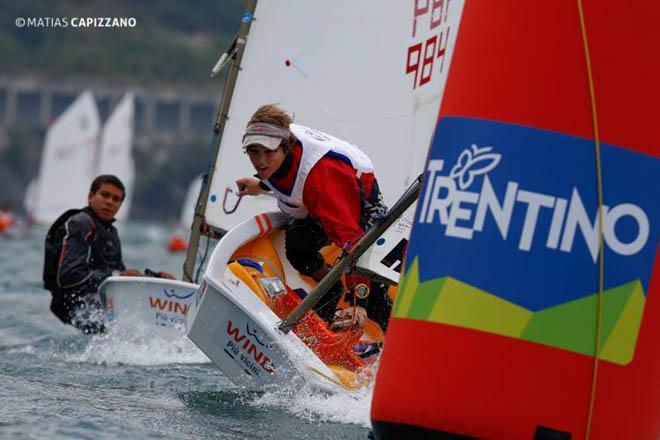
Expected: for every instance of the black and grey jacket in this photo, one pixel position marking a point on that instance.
(90, 251)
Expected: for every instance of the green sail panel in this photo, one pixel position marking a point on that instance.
(466, 306)
(570, 326)
(620, 345)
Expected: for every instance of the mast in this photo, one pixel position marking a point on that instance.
(235, 53)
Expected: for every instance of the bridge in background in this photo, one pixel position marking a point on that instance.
(159, 111)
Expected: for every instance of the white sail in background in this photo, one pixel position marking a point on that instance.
(67, 162)
(188, 208)
(30, 199)
(115, 153)
(177, 242)
(369, 72)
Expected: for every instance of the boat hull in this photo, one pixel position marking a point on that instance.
(148, 302)
(239, 334)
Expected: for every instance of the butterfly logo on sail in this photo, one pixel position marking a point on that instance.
(473, 161)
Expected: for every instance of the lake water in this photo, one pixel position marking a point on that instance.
(56, 383)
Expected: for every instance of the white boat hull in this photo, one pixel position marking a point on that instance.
(153, 302)
(240, 336)
(239, 333)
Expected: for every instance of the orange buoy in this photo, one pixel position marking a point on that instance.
(7, 220)
(177, 244)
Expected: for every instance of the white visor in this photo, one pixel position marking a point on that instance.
(258, 139)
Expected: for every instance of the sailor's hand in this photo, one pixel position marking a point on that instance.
(249, 186)
(166, 275)
(350, 317)
(161, 274)
(131, 273)
(204, 228)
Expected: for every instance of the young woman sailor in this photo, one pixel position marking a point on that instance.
(328, 187)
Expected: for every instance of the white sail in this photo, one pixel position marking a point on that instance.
(115, 154)
(369, 72)
(30, 199)
(188, 208)
(67, 162)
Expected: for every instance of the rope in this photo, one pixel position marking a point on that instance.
(224, 202)
(599, 177)
(325, 376)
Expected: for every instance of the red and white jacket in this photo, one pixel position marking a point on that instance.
(322, 182)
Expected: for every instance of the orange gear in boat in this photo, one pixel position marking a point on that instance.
(259, 259)
(332, 348)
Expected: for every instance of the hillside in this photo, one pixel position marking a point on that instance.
(172, 41)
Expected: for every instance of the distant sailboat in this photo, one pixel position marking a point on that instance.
(115, 149)
(30, 199)
(75, 151)
(177, 242)
(67, 162)
(188, 210)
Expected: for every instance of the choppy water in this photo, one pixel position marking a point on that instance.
(56, 383)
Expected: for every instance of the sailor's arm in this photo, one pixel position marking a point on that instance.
(121, 266)
(332, 196)
(249, 186)
(75, 268)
